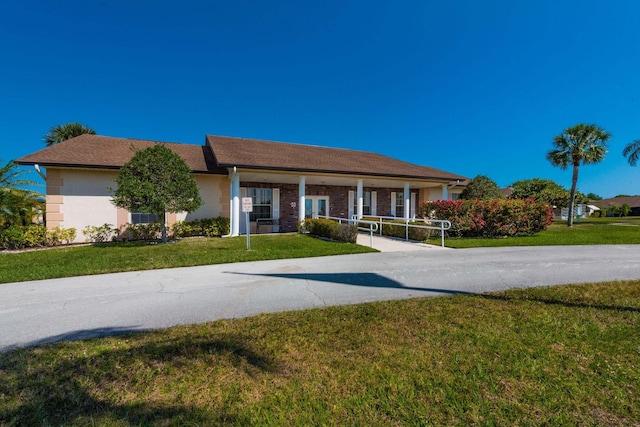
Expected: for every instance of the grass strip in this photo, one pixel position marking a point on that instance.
(130, 256)
(591, 231)
(564, 355)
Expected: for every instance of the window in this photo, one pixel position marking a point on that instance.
(399, 204)
(261, 198)
(455, 196)
(143, 218)
(366, 203)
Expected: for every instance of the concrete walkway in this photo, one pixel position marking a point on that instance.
(37, 312)
(390, 244)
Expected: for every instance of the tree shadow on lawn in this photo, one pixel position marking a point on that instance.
(65, 386)
(552, 301)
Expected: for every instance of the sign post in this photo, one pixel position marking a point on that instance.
(247, 207)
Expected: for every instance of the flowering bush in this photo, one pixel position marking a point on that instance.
(489, 218)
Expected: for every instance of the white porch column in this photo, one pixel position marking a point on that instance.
(407, 201)
(301, 202)
(235, 203)
(445, 192)
(360, 202)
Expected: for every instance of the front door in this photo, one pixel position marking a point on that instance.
(316, 206)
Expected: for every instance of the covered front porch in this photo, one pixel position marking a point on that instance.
(282, 199)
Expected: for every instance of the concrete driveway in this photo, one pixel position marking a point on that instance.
(37, 312)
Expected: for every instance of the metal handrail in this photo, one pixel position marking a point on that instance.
(443, 224)
(373, 225)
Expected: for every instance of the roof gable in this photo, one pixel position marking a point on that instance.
(105, 152)
(270, 155)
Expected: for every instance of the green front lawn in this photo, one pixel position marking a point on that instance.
(115, 257)
(565, 355)
(591, 231)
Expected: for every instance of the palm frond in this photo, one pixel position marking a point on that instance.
(632, 152)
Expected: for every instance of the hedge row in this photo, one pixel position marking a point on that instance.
(208, 227)
(331, 230)
(31, 236)
(490, 218)
(34, 236)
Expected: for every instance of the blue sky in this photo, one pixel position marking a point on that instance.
(471, 87)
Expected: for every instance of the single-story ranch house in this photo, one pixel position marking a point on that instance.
(286, 181)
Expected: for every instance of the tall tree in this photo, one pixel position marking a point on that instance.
(544, 190)
(66, 131)
(156, 180)
(481, 187)
(632, 152)
(582, 144)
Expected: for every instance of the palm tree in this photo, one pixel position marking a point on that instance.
(580, 144)
(17, 206)
(66, 131)
(632, 152)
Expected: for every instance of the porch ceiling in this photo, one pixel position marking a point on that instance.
(333, 180)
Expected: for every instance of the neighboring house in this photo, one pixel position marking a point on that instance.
(632, 201)
(286, 181)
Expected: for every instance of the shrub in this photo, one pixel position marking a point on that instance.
(390, 229)
(149, 231)
(59, 236)
(103, 233)
(331, 230)
(490, 218)
(12, 237)
(209, 227)
(32, 236)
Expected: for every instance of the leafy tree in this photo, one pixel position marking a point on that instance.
(66, 131)
(593, 196)
(17, 206)
(481, 187)
(156, 180)
(580, 144)
(632, 152)
(623, 210)
(544, 190)
(622, 195)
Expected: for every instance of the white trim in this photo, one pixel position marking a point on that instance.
(351, 202)
(301, 198)
(445, 192)
(374, 203)
(407, 200)
(360, 200)
(413, 205)
(243, 217)
(393, 203)
(275, 203)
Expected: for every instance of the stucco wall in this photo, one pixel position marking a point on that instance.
(85, 199)
(79, 198)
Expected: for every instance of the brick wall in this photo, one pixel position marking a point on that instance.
(338, 200)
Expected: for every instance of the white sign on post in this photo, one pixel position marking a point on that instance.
(247, 207)
(247, 204)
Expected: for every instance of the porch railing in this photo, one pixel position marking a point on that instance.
(440, 225)
(372, 225)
